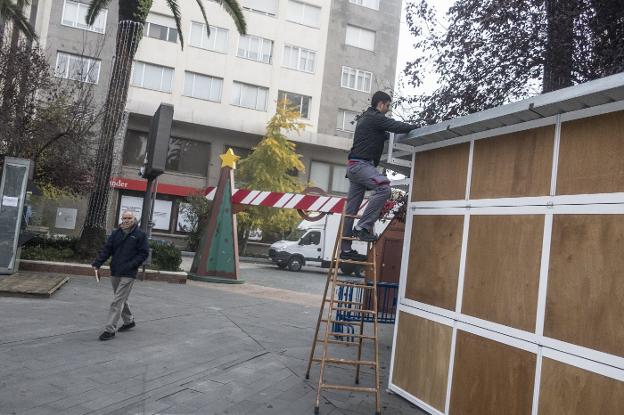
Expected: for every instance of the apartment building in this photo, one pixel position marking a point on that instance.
(327, 57)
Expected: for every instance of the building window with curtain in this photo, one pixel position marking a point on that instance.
(255, 48)
(203, 87)
(304, 13)
(249, 96)
(150, 76)
(216, 42)
(75, 15)
(298, 58)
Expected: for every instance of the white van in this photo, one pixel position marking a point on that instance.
(313, 243)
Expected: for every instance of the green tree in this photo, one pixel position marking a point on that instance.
(271, 167)
(132, 16)
(497, 51)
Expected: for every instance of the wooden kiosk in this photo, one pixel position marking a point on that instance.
(511, 294)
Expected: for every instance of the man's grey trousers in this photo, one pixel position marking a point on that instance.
(364, 176)
(119, 307)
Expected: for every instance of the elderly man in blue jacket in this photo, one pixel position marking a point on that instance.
(129, 248)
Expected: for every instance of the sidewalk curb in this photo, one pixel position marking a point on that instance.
(87, 270)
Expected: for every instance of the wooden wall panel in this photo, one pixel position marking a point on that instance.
(590, 156)
(568, 390)
(513, 165)
(585, 297)
(433, 268)
(421, 359)
(491, 378)
(502, 269)
(441, 174)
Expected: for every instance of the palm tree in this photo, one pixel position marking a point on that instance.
(11, 11)
(132, 16)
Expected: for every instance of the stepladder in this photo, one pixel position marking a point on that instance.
(341, 329)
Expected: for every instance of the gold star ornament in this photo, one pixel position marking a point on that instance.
(229, 159)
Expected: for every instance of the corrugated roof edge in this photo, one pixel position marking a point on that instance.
(586, 95)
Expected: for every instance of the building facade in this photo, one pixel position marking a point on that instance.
(325, 57)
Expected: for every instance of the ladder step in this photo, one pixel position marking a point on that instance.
(346, 343)
(344, 323)
(351, 261)
(327, 300)
(354, 310)
(362, 336)
(349, 388)
(350, 284)
(350, 362)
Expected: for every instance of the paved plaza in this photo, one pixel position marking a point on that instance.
(197, 349)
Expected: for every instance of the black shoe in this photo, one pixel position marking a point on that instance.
(352, 255)
(106, 336)
(364, 235)
(126, 326)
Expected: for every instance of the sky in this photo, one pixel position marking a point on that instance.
(407, 51)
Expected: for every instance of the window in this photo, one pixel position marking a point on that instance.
(188, 156)
(255, 48)
(299, 58)
(371, 4)
(304, 14)
(135, 147)
(75, 15)
(150, 76)
(268, 7)
(202, 86)
(356, 79)
(77, 67)
(250, 96)
(302, 102)
(330, 177)
(217, 41)
(161, 27)
(185, 156)
(360, 38)
(346, 121)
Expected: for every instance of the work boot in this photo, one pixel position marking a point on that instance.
(364, 235)
(106, 336)
(352, 255)
(127, 326)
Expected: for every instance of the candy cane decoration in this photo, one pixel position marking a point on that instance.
(299, 201)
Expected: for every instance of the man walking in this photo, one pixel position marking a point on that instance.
(128, 247)
(371, 132)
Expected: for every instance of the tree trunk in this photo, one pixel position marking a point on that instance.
(129, 35)
(558, 54)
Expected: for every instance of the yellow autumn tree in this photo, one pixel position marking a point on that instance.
(271, 167)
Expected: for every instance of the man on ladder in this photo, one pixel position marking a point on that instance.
(371, 132)
(370, 135)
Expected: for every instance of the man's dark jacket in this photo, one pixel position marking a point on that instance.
(128, 251)
(370, 135)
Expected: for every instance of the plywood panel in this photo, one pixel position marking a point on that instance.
(502, 269)
(585, 298)
(491, 378)
(590, 156)
(568, 390)
(441, 174)
(513, 165)
(433, 267)
(421, 359)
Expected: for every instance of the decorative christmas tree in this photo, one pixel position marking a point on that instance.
(216, 259)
